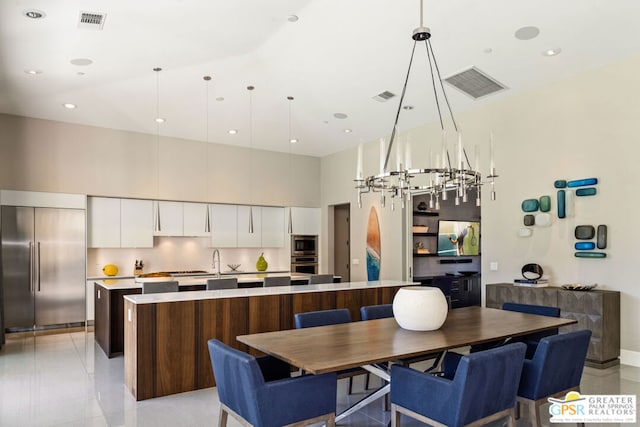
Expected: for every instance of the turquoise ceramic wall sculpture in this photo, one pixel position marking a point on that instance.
(582, 182)
(590, 255)
(561, 204)
(584, 232)
(560, 183)
(529, 220)
(584, 246)
(602, 237)
(530, 205)
(545, 203)
(591, 191)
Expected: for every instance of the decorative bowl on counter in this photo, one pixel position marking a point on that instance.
(579, 287)
(233, 267)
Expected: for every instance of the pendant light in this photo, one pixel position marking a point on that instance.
(250, 89)
(291, 141)
(158, 120)
(207, 222)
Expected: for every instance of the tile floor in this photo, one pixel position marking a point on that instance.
(66, 380)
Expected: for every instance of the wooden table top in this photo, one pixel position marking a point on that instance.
(337, 347)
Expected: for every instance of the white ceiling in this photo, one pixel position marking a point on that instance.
(332, 60)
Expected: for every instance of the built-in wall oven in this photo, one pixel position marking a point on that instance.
(304, 254)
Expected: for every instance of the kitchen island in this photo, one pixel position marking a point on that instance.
(166, 335)
(109, 304)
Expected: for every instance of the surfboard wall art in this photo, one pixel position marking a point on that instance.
(373, 246)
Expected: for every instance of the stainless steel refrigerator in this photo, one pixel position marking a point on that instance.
(43, 255)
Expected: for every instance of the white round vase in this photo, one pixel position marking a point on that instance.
(420, 308)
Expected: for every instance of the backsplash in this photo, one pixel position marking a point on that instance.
(183, 253)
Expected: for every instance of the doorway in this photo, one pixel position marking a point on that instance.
(341, 241)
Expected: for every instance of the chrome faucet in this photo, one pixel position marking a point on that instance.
(213, 261)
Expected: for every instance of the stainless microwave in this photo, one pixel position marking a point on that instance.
(304, 245)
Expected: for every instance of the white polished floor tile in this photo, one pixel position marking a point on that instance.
(66, 380)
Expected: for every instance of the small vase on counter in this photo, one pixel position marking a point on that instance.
(262, 264)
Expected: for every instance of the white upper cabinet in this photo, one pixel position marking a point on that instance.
(195, 219)
(224, 220)
(273, 227)
(305, 220)
(136, 227)
(103, 222)
(246, 239)
(171, 218)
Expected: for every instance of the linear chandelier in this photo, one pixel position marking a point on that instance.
(443, 174)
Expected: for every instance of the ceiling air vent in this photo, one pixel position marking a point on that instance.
(475, 83)
(384, 96)
(91, 20)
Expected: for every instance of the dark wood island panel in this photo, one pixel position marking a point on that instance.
(166, 342)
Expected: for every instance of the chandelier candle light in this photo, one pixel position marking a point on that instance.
(440, 176)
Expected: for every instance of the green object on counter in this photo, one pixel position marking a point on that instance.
(262, 264)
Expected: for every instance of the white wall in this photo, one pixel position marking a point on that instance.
(43, 155)
(582, 127)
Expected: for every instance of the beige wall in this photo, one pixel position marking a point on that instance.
(43, 155)
(582, 127)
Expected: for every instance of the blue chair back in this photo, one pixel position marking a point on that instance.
(541, 310)
(372, 312)
(237, 376)
(488, 382)
(556, 365)
(322, 318)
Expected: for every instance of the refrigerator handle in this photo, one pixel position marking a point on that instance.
(38, 266)
(31, 266)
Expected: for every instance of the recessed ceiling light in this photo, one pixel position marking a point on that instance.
(293, 140)
(159, 120)
(34, 14)
(233, 131)
(219, 99)
(408, 107)
(81, 61)
(527, 33)
(552, 52)
(33, 72)
(69, 106)
(292, 18)
(348, 131)
(488, 50)
(340, 115)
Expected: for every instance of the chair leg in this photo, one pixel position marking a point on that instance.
(534, 413)
(395, 416)
(511, 422)
(222, 418)
(366, 382)
(350, 385)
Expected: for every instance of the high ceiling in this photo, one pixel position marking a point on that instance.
(334, 59)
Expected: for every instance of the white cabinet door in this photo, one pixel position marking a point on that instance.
(273, 226)
(103, 222)
(136, 227)
(246, 239)
(195, 219)
(224, 220)
(305, 220)
(171, 218)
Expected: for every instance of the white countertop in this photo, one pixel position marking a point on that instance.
(195, 280)
(249, 292)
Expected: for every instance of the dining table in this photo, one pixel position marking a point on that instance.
(368, 344)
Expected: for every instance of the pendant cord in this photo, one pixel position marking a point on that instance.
(395, 124)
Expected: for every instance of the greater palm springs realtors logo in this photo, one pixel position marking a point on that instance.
(577, 408)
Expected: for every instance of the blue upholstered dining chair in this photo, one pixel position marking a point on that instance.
(531, 340)
(336, 316)
(260, 393)
(555, 369)
(482, 390)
